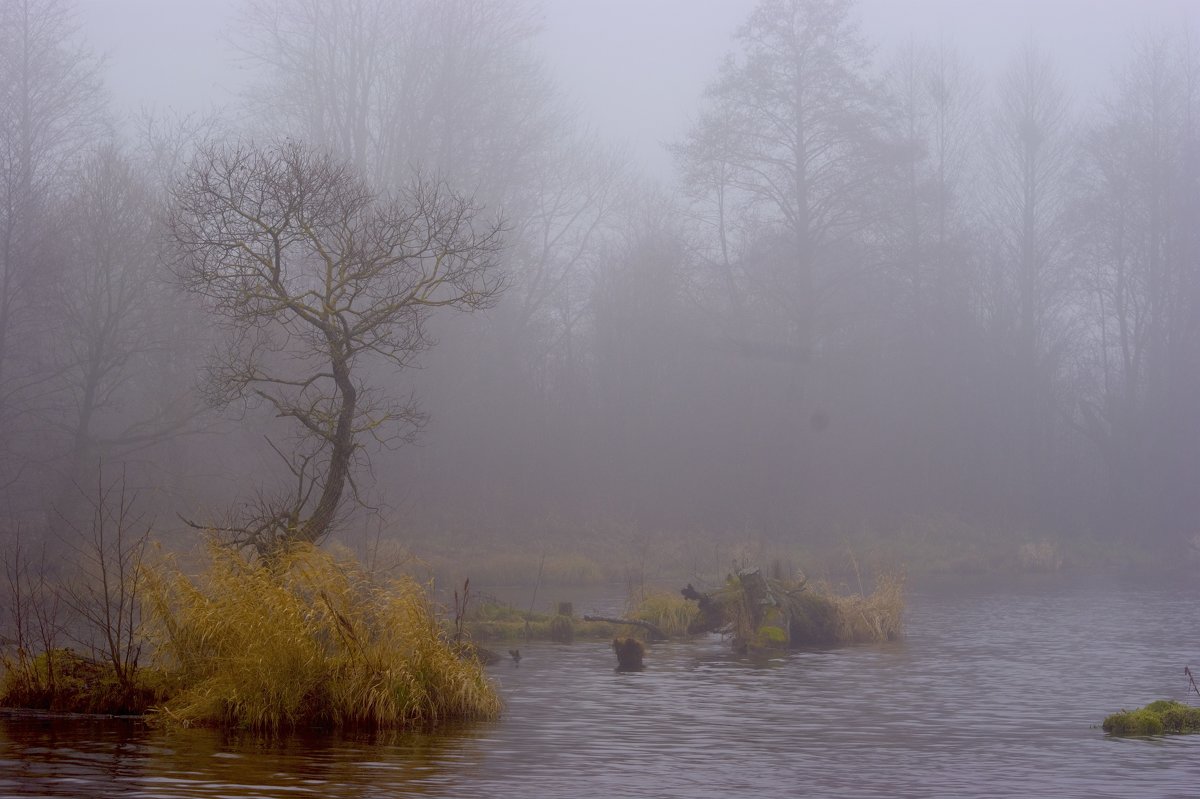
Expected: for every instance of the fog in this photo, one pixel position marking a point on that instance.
(795, 271)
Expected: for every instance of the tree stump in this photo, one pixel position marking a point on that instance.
(629, 654)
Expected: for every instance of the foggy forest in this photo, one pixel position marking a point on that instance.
(880, 290)
(834, 366)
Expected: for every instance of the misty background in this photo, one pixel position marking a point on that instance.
(965, 296)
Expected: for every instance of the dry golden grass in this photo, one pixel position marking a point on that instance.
(307, 640)
(668, 611)
(877, 616)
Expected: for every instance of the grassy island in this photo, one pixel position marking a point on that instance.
(301, 639)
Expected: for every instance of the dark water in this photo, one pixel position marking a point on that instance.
(994, 692)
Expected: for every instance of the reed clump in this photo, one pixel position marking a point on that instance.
(303, 639)
(864, 618)
(669, 612)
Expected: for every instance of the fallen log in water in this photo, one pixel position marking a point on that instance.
(655, 633)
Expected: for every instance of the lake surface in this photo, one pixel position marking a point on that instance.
(995, 691)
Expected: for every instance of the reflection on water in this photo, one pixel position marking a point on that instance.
(992, 693)
(125, 759)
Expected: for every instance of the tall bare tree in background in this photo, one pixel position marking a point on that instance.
(791, 147)
(448, 86)
(931, 270)
(115, 323)
(1030, 289)
(51, 106)
(314, 275)
(787, 162)
(1142, 287)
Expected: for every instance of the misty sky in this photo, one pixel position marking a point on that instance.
(635, 68)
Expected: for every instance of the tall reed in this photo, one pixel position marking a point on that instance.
(307, 640)
(668, 611)
(877, 616)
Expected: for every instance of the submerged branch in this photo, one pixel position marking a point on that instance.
(655, 633)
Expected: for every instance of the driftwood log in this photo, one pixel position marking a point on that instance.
(655, 633)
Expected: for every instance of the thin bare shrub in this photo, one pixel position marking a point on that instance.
(34, 622)
(104, 592)
(93, 603)
(304, 639)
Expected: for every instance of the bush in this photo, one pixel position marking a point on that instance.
(305, 640)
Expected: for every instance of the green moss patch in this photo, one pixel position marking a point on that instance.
(1164, 717)
(496, 622)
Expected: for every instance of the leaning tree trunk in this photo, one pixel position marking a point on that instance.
(316, 526)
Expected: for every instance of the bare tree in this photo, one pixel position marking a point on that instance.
(105, 591)
(787, 166)
(1141, 290)
(930, 268)
(935, 103)
(790, 148)
(314, 275)
(166, 141)
(113, 322)
(50, 107)
(1033, 155)
(34, 620)
(450, 86)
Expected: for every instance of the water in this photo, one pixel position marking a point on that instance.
(993, 692)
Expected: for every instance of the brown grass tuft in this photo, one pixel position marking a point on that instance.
(877, 616)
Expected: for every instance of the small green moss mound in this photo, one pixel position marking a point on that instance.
(493, 621)
(771, 637)
(1164, 717)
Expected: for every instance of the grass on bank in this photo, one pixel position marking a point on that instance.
(62, 680)
(666, 610)
(307, 640)
(493, 621)
(1157, 718)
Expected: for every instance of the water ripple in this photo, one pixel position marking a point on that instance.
(993, 693)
